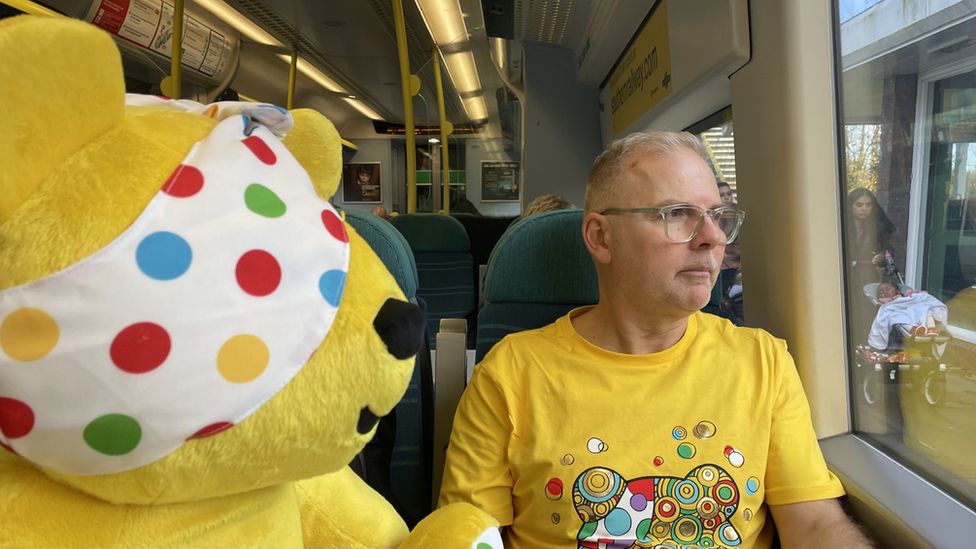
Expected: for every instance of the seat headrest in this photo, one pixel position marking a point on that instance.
(542, 259)
(392, 249)
(428, 232)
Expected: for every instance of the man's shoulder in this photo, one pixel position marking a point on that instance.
(712, 327)
(529, 338)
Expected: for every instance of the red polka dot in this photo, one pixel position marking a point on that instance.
(258, 273)
(728, 450)
(212, 429)
(658, 461)
(185, 181)
(140, 347)
(554, 487)
(260, 149)
(334, 225)
(16, 418)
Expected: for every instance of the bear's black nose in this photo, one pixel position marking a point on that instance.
(366, 421)
(401, 326)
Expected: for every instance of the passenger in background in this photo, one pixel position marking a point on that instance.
(642, 419)
(547, 203)
(731, 263)
(461, 204)
(869, 236)
(380, 211)
(924, 314)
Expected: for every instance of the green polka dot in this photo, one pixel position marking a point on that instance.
(686, 450)
(587, 530)
(263, 201)
(113, 434)
(484, 546)
(725, 493)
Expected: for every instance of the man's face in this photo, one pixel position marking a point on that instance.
(725, 192)
(659, 274)
(364, 178)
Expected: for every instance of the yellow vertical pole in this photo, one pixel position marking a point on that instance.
(291, 78)
(401, 39)
(176, 54)
(441, 112)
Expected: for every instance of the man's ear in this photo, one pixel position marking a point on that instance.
(598, 235)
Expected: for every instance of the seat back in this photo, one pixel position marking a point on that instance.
(397, 461)
(442, 251)
(539, 270)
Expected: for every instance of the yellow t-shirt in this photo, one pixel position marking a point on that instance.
(568, 444)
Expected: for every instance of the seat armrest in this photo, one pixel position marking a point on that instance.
(449, 382)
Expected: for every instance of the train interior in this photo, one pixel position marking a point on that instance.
(456, 114)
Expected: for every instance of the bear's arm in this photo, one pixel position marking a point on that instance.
(340, 510)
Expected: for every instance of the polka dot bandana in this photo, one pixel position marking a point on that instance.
(183, 326)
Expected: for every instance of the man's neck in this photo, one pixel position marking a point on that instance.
(628, 331)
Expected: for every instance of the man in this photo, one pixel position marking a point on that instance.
(641, 419)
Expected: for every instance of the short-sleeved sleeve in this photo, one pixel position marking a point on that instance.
(796, 470)
(477, 469)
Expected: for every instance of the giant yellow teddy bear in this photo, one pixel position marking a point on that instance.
(193, 344)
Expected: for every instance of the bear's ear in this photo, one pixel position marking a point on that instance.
(61, 86)
(316, 145)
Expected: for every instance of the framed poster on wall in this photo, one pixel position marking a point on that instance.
(499, 181)
(361, 183)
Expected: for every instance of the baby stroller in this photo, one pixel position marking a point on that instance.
(913, 357)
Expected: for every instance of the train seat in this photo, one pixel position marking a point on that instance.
(484, 233)
(397, 461)
(539, 270)
(445, 267)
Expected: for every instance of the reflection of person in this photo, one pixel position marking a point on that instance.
(919, 310)
(869, 234)
(732, 260)
(546, 203)
(583, 431)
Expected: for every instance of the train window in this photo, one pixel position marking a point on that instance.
(717, 134)
(907, 101)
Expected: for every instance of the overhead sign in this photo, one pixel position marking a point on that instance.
(642, 78)
(149, 24)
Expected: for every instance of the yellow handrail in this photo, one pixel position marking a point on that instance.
(441, 112)
(401, 40)
(176, 51)
(31, 8)
(291, 79)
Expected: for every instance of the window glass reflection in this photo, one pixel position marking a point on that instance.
(908, 101)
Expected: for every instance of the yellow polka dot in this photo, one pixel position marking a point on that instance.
(28, 334)
(242, 358)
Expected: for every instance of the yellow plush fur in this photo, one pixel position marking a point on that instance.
(76, 168)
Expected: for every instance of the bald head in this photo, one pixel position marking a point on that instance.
(614, 164)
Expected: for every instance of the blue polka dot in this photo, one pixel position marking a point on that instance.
(617, 522)
(331, 284)
(752, 485)
(163, 256)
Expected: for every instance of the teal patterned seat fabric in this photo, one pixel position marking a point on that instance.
(397, 462)
(390, 246)
(539, 270)
(444, 265)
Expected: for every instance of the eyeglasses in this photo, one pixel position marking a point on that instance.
(682, 222)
